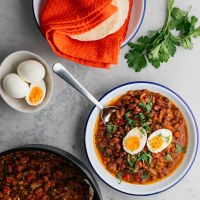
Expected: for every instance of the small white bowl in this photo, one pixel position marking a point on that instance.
(136, 18)
(9, 65)
(175, 177)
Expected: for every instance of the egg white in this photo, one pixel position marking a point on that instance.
(166, 136)
(31, 71)
(142, 135)
(15, 87)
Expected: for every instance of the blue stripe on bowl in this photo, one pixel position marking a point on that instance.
(197, 135)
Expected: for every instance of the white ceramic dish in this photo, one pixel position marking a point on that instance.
(157, 187)
(136, 19)
(9, 65)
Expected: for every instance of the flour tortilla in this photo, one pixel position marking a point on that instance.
(109, 26)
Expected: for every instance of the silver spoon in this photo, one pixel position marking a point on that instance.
(106, 112)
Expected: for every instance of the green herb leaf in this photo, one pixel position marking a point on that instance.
(145, 157)
(145, 175)
(159, 46)
(131, 162)
(146, 126)
(129, 121)
(149, 105)
(142, 105)
(143, 131)
(102, 149)
(119, 176)
(144, 121)
(167, 139)
(111, 127)
(184, 149)
(178, 148)
(146, 107)
(168, 157)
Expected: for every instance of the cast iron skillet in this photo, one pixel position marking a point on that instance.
(65, 155)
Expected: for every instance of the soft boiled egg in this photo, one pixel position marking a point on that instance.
(135, 140)
(36, 94)
(14, 86)
(159, 140)
(31, 71)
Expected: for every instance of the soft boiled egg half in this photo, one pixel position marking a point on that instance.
(135, 140)
(36, 93)
(159, 140)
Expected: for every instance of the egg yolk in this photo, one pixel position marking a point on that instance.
(156, 142)
(35, 95)
(132, 143)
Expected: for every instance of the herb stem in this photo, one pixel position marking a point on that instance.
(170, 6)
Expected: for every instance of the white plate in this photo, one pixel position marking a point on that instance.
(136, 19)
(157, 187)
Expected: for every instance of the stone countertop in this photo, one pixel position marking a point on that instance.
(62, 122)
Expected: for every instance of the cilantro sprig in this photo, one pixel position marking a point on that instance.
(168, 157)
(145, 157)
(111, 127)
(119, 176)
(159, 46)
(144, 122)
(145, 175)
(146, 107)
(180, 149)
(129, 121)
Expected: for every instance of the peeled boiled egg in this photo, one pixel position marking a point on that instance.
(159, 140)
(36, 94)
(31, 71)
(14, 86)
(135, 141)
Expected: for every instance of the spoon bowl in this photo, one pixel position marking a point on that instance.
(107, 113)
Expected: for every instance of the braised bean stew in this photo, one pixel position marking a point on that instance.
(148, 111)
(36, 175)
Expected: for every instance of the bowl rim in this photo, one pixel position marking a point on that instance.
(62, 153)
(182, 101)
(132, 35)
(48, 71)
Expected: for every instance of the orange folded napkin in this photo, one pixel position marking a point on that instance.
(60, 18)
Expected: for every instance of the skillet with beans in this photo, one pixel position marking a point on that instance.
(150, 111)
(36, 175)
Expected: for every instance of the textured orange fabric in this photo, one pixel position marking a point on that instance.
(60, 18)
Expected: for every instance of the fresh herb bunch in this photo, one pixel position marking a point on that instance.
(160, 45)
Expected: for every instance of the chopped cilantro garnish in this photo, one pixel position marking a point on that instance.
(102, 149)
(184, 149)
(168, 157)
(145, 175)
(129, 121)
(119, 176)
(145, 157)
(131, 162)
(178, 148)
(111, 127)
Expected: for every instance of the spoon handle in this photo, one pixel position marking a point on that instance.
(60, 70)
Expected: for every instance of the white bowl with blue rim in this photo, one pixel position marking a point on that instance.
(136, 18)
(157, 187)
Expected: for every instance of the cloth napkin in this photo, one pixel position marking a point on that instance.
(60, 18)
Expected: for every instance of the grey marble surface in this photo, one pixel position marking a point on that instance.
(62, 122)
